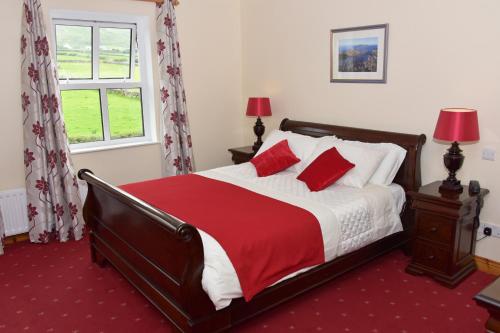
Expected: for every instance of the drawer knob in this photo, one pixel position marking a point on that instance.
(431, 257)
(434, 229)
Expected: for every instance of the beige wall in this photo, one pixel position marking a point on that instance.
(210, 35)
(441, 53)
(211, 46)
(11, 134)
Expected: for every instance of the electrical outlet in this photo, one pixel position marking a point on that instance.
(489, 154)
(495, 230)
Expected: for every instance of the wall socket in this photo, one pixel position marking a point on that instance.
(495, 230)
(488, 154)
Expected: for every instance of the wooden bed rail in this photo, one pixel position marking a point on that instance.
(159, 216)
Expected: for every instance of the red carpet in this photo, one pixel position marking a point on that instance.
(55, 288)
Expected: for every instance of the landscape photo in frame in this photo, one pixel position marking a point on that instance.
(359, 54)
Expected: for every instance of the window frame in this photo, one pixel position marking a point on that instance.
(139, 26)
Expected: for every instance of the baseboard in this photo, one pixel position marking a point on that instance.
(16, 239)
(487, 265)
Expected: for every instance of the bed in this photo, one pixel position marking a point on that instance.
(164, 258)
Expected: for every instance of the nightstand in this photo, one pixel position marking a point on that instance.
(444, 236)
(242, 154)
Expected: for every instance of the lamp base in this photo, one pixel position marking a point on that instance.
(453, 161)
(447, 186)
(259, 130)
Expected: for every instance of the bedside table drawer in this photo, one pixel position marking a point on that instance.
(429, 255)
(434, 227)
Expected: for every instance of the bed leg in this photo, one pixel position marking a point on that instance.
(97, 257)
(406, 248)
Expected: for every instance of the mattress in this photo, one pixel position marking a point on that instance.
(350, 218)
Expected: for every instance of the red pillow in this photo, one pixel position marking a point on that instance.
(325, 170)
(277, 158)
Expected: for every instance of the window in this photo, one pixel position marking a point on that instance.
(104, 80)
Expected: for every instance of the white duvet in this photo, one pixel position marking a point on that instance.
(350, 218)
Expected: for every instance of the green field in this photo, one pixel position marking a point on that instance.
(82, 114)
(78, 65)
(81, 108)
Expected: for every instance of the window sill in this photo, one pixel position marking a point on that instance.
(78, 151)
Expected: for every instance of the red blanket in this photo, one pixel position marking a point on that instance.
(265, 239)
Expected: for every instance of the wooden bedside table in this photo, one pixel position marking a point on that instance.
(242, 154)
(444, 237)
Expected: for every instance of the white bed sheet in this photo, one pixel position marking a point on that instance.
(350, 218)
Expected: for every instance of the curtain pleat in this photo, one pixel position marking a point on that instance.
(54, 203)
(177, 148)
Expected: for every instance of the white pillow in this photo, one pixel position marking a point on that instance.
(389, 166)
(366, 160)
(301, 145)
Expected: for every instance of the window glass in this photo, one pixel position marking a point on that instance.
(74, 51)
(125, 113)
(82, 115)
(114, 53)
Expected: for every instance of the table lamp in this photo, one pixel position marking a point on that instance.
(258, 107)
(455, 125)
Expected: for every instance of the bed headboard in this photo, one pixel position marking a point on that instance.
(408, 175)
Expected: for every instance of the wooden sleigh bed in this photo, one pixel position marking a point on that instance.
(163, 257)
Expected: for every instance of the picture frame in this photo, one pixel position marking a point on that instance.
(359, 54)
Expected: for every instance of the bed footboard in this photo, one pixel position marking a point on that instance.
(161, 256)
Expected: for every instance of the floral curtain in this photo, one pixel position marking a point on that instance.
(177, 148)
(54, 204)
(2, 233)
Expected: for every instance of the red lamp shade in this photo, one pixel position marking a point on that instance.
(457, 124)
(259, 107)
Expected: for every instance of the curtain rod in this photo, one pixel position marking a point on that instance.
(175, 2)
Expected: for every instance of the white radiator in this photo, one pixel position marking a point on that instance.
(13, 205)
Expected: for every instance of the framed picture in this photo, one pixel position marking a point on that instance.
(359, 54)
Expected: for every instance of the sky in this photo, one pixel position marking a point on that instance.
(358, 41)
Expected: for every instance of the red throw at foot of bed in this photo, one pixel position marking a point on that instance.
(265, 239)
